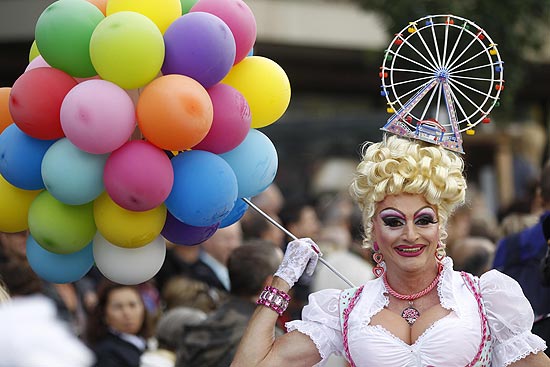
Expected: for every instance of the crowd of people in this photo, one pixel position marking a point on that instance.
(195, 311)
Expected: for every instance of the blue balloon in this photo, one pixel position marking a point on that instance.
(204, 190)
(71, 175)
(21, 157)
(59, 268)
(254, 162)
(180, 233)
(236, 213)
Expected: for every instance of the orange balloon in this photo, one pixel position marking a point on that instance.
(5, 116)
(174, 112)
(100, 4)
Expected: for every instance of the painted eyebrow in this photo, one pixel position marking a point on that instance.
(416, 214)
(425, 210)
(392, 209)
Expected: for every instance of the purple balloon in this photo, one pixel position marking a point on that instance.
(183, 234)
(201, 46)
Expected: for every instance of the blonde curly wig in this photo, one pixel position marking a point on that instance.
(396, 165)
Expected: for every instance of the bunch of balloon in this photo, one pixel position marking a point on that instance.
(135, 123)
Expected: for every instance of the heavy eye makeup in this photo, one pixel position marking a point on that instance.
(392, 218)
(425, 217)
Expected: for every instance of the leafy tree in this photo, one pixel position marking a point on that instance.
(519, 27)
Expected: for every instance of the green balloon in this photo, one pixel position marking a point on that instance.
(61, 228)
(186, 5)
(63, 32)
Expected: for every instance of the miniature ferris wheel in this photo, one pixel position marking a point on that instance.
(441, 75)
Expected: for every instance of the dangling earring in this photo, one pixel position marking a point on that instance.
(440, 254)
(378, 258)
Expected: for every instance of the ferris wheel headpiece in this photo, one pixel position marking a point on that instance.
(441, 75)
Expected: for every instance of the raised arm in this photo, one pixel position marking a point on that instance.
(259, 347)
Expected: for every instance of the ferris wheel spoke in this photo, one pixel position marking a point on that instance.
(413, 71)
(490, 80)
(434, 64)
(457, 104)
(458, 38)
(451, 69)
(429, 103)
(434, 37)
(450, 66)
(446, 39)
(411, 61)
(480, 92)
(475, 105)
(489, 65)
(411, 46)
(411, 81)
(403, 96)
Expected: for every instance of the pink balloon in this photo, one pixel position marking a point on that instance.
(231, 121)
(98, 116)
(138, 176)
(238, 17)
(37, 62)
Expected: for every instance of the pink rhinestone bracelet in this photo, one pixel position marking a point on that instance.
(274, 298)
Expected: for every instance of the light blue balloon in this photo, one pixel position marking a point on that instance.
(21, 157)
(235, 214)
(204, 190)
(71, 175)
(254, 162)
(59, 268)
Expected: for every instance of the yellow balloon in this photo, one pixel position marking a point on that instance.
(14, 207)
(33, 53)
(126, 228)
(264, 85)
(161, 12)
(127, 48)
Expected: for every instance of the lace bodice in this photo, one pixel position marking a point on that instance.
(452, 341)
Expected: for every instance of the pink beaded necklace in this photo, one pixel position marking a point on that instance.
(410, 313)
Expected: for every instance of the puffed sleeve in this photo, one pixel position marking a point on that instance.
(510, 319)
(321, 322)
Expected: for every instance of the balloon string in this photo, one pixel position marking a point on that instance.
(276, 224)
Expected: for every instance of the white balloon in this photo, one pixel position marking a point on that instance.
(129, 266)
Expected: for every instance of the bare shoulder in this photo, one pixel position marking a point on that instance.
(533, 360)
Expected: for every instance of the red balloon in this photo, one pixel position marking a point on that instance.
(35, 102)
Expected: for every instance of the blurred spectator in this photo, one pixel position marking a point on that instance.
(215, 254)
(519, 255)
(182, 291)
(4, 294)
(119, 326)
(67, 297)
(181, 260)
(205, 262)
(256, 226)
(270, 201)
(335, 242)
(31, 334)
(545, 262)
(169, 331)
(214, 341)
(13, 245)
(473, 255)
(300, 218)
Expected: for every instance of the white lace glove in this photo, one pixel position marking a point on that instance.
(300, 255)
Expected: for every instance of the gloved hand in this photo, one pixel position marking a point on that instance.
(300, 255)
